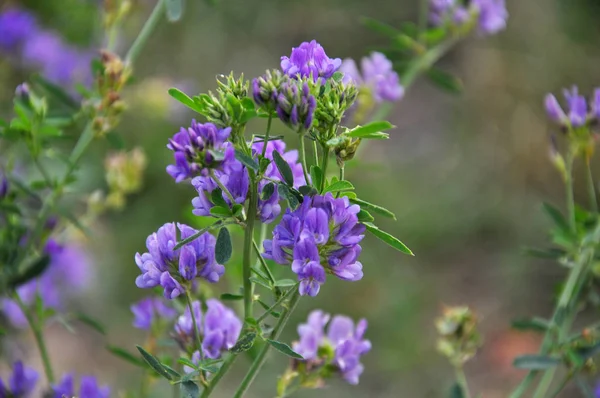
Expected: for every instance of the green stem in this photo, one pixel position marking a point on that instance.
(277, 303)
(591, 187)
(248, 239)
(324, 163)
(423, 18)
(264, 150)
(262, 261)
(196, 330)
(222, 187)
(219, 375)
(427, 60)
(303, 157)
(315, 153)
(39, 338)
(461, 379)
(145, 33)
(562, 385)
(545, 383)
(262, 355)
(569, 191)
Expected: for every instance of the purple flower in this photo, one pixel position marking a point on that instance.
(342, 337)
(296, 105)
(321, 236)
(197, 149)
(309, 59)
(163, 265)
(149, 309)
(378, 77)
(577, 108)
(3, 185)
(444, 11)
(21, 382)
(265, 89)
(88, 388)
(69, 272)
(234, 177)
(492, 15)
(16, 26)
(219, 328)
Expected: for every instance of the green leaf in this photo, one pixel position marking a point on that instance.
(91, 322)
(285, 283)
(535, 362)
(379, 27)
(372, 130)
(456, 391)
(82, 143)
(364, 216)
(261, 282)
(185, 100)
(445, 81)
(316, 175)
(556, 216)
(535, 324)
(284, 169)
(189, 389)
(588, 352)
(231, 297)
(115, 140)
(285, 192)
(156, 364)
(220, 211)
(339, 186)
(33, 271)
(338, 76)
(174, 10)
(373, 207)
(244, 343)
(197, 235)
(284, 349)
(223, 248)
(307, 190)
(246, 160)
(216, 197)
(55, 91)
(237, 210)
(218, 156)
(389, 239)
(126, 356)
(261, 138)
(267, 191)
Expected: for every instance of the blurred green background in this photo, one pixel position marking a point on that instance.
(465, 175)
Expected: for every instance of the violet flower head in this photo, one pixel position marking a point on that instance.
(88, 388)
(378, 76)
(69, 273)
(163, 265)
(309, 59)
(265, 89)
(492, 15)
(197, 149)
(576, 114)
(16, 26)
(447, 11)
(219, 327)
(296, 105)
(20, 383)
(3, 185)
(150, 309)
(321, 236)
(342, 337)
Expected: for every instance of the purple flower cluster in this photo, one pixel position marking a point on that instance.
(219, 328)
(169, 268)
(491, 14)
(378, 77)
(21, 382)
(321, 236)
(150, 309)
(577, 114)
(234, 176)
(342, 337)
(197, 149)
(88, 388)
(69, 272)
(21, 37)
(310, 60)
(296, 105)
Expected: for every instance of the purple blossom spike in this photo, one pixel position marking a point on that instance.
(342, 337)
(150, 309)
(197, 149)
(21, 382)
(378, 77)
(163, 265)
(492, 15)
(88, 388)
(310, 60)
(296, 105)
(577, 108)
(321, 236)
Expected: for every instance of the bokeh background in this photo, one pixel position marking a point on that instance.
(465, 174)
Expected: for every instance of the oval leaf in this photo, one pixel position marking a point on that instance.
(223, 247)
(389, 239)
(126, 355)
(370, 130)
(244, 343)
(155, 363)
(373, 207)
(246, 160)
(189, 389)
(284, 168)
(535, 362)
(184, 99)
(284, 349)
(339, 186)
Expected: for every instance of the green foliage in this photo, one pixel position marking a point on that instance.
(388, 239)
(284, 349)
(223, 247)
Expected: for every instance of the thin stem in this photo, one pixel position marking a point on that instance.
(591, 187)
(39, 338)
(145, 33)
(427, 60)
(325, 162)
(262, 261)
(222, 187)
(248, 239)
(545, 383)
(562, 385)
(461, 379)
(524, 385)
(196, 330)
(277, 303)
(303, 157)
(219, 375)
(315, 153)
(266, 141)
(262, 355)
(569, 191)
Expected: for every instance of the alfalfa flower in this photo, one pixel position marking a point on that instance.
(88, 388)
(309, 60)
(149, 310)
(21, 382)
(577, 113)
(378, 77)
(296, 105)
(459, 337)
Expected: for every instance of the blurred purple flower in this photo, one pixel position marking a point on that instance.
(88, 388)
(21, 382)
(577, 108)
(309, 59)
(196, 149)
(164, 266)
(16, 26)
(69, 272)
(3, 184)
(378, 76)
(492, 15)
(342, 337)
(320, 236)
(442, 11)
(148, 310)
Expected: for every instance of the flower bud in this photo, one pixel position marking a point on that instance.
(22, 92)
(346, 150)
(459, 337)
(238, 88)
(296, 105)
(265, 89)
(337, 97)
